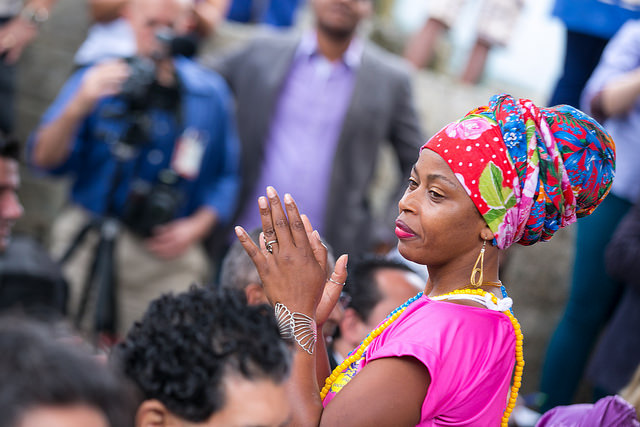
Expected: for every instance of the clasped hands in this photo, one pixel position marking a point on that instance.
(294, 272)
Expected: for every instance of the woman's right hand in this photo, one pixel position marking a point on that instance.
(293, 272)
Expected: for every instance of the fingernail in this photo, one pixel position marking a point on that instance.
(262, 202)
(238, 230)
(271, 192)
(288, 198)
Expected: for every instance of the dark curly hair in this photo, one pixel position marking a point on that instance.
(185, 344)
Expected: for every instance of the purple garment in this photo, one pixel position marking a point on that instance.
(621, 56)
(610, 411)
(304, 131)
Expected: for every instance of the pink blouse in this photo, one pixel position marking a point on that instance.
(468, 351)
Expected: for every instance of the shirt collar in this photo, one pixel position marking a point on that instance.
(308, 48)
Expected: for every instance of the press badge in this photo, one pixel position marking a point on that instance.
(187, 156)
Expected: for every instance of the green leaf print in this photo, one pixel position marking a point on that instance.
(494, 217)
(497, 197)
(487, 185)
(491, 188)
(530, 126)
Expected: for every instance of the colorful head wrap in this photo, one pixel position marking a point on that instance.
(528, 170)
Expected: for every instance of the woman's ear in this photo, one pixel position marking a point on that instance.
(486, 233)
(152, 413)
(255, 294)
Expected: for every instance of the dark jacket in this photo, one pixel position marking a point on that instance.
(618, 352)
(381, 109)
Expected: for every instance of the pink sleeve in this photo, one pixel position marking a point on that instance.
(399, 348)
(460, 369)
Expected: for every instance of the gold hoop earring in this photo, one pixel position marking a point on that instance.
(477, 283)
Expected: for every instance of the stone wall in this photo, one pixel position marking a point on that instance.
(43, 68)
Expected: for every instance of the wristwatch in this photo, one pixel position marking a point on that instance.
(35, 15)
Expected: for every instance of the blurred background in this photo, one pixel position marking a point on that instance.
(528, 67)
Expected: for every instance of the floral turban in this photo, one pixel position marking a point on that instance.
(528, 170)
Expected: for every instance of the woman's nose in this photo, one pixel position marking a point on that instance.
(405, 203)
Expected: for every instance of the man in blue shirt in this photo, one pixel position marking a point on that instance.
(181, 141)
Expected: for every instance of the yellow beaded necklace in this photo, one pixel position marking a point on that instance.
(517, 375)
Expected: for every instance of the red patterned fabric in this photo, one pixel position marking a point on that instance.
(528, 170)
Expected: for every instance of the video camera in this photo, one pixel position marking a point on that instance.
(142, 71)
(150, 204)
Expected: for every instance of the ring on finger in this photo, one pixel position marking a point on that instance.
(336, 282)
(269, 245)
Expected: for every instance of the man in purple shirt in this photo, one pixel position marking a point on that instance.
(312, 114)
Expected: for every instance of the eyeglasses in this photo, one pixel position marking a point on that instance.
(344, 300)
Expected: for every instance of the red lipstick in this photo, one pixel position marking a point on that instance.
(403, 231)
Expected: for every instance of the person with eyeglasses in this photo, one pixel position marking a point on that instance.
(375, 286)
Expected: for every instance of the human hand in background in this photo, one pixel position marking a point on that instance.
(174, 238)
(14, 37)
(104, 79)
(618, 97)
(171, 240)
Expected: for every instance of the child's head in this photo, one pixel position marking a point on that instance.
(206, 357)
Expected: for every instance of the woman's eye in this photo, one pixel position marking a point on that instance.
(435, 195)
(413, 183)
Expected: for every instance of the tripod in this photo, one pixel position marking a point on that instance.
(101, 277)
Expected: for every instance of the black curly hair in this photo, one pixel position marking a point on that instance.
(185, 344)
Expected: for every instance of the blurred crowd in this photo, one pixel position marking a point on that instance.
(140, 307)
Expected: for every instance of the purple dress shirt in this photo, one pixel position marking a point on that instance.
(621, 56)
(305, 130)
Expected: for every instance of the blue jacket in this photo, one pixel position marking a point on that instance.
(601, 18)
(206, 107)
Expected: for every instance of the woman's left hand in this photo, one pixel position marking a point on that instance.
(290, 271)
(334, 285)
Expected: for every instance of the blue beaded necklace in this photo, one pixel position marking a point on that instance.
(405, 305)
